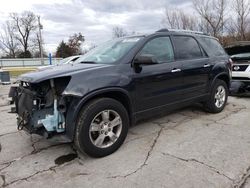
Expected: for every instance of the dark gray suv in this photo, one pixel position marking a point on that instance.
(94, 101)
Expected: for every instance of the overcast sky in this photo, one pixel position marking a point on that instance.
(94, 18)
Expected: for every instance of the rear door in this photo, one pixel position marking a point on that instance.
(196, 66)
(158, 84)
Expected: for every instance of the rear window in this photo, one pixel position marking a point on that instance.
(186, 48)
(212, 46)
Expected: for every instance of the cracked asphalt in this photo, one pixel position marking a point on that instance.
(187, 148)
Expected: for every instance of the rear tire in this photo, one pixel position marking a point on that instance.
(218, 98)
(102, 127)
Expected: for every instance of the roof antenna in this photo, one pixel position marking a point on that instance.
(163, 30)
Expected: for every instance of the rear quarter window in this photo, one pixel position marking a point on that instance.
(212, 46)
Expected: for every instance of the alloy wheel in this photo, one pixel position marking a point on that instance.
(105, 128)
(220, 96)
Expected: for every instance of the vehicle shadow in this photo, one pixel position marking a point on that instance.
(242, 95)
(154, 118)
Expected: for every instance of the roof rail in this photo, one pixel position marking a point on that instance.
(182, 30)
(187, 31)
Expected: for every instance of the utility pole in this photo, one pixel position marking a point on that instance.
(40, 27)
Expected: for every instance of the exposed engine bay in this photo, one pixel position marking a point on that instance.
(240, 54)
(41, 108)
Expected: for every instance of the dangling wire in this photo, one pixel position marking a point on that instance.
(20, 125)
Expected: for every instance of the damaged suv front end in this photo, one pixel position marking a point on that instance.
(40, 106)
(240, 55)
(46, 102)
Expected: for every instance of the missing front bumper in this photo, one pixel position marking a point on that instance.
(35, 117)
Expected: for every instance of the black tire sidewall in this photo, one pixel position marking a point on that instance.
(85, 118)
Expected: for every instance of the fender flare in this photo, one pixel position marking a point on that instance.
(216, 77)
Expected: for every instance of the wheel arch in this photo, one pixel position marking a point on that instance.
(225, 78)
(222, 76)
(116, 93)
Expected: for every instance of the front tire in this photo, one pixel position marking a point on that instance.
(218, 98)
(102, 127)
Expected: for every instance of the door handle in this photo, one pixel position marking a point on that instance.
(206, 65)
(176, 70)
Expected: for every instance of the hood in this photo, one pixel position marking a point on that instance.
(59, 71)
(238, 48)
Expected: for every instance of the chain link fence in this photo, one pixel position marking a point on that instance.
(27, 62)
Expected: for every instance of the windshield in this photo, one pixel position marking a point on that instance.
(110, 51)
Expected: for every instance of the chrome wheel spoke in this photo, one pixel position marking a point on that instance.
(112, 136)
(95, 127)
(217, 96)
(105, 115)
(115, 122)
(222, 92)
(220, 102)
(217, 103)
(99, 140)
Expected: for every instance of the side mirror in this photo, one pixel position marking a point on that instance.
(145, 59)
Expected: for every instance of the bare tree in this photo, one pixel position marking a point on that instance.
(171, 19)
(213, 13)
(231, 28)
(242, 9)
(24, 25)
(119, 32)
(8, 41)
(177, 19)
(188, 22)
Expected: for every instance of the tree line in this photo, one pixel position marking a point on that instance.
(227, 20)
(20, 38)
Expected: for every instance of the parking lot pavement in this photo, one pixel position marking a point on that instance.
(188, 148)
(4, 90)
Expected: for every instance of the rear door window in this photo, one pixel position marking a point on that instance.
(186, 47)
(160, 48)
